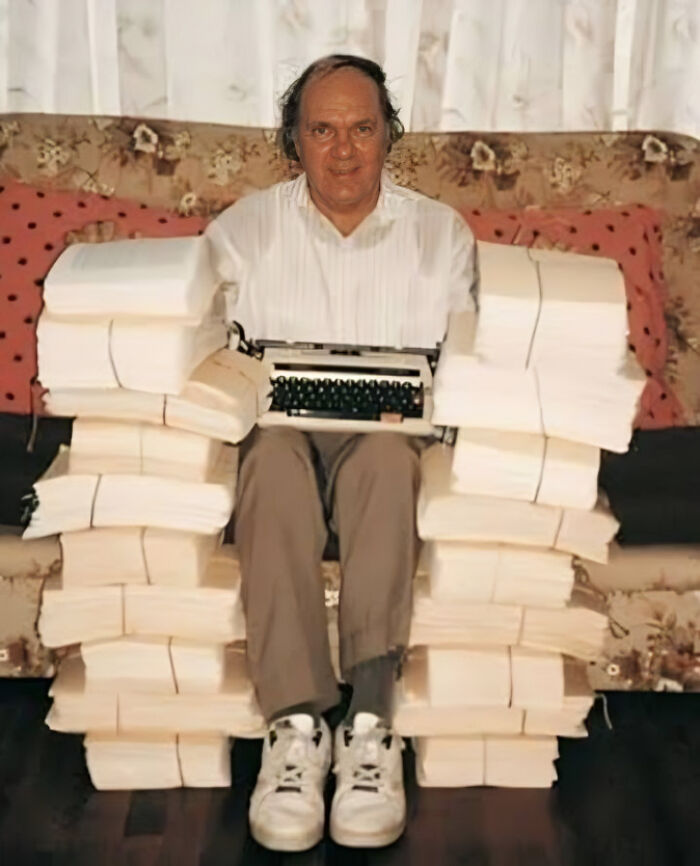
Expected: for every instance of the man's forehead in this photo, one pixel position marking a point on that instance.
(345, 91)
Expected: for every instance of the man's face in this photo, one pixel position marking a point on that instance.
(342, 140)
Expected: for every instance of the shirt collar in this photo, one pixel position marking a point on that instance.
(385, 211)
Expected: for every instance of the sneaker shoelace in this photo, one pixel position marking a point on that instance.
(290, 757)
(366, 758)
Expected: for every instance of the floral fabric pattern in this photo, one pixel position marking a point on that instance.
(195, 170)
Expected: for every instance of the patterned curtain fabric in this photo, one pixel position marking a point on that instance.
(491, 65)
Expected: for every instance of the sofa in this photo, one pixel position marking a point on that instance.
(634, 197)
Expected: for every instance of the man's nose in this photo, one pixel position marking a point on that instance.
(343, 145)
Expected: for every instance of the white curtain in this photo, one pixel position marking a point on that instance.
(504, 65)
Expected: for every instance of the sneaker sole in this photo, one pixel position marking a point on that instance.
(349, 839)
(288, 843)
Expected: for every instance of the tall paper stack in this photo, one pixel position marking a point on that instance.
(130, 343)
(536, 384)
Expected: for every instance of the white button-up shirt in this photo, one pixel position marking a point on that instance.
(391, 283)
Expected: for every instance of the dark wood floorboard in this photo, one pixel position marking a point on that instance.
(629, 796)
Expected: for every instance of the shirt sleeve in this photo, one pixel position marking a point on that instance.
(463, 288)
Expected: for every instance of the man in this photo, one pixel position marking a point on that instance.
(339, 255)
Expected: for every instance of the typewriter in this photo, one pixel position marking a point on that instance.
(349, 389)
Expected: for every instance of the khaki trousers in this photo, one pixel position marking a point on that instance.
(290, 485)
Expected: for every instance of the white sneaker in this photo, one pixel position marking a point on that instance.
(369, 805)
(286, 808)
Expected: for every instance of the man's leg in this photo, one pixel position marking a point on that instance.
(280, 534)
(375, 489)
(375, 483)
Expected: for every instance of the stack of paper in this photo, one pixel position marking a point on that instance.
(128, 761)
(574, 631)
(568, 719)
(480, 674)
(82, 613)
(114, 447)
(449, 762)
(582, 320)
(416, 716)
(446, 515)
(148, 761)
(67, 502)
(526, 466)
(211, 611)
(155, 355)
(537, 679)
(142, 277)
(231, 710)
(501, 573)
(593, 406)
(205, 761)
(441, 623)
(124, 555)
(520, 762)
(513, 762)
(133, 663)
(509, 304)
(74, 709)
(222, 399)
(549, 695)
(198, 667)
(100, 557)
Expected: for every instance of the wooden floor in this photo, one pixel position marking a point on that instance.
(626, 796)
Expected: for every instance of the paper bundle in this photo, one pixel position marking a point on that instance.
(549, 696)
(134, 663)
(509, 304)
(549, 308)
(481, 675)
(500, 573)
(67, 502)
(582, 320)
(222, 399)
(441, 623)
(199, 667)
(512, 762)
(568, 719)
(449, 762)
(526, 466)
(141, 354)
(416, 716)
(520, 762)
(592, 406)
(113, 447)
(81, 613)
(574, 631)
(205, 761)
(445, 515)
(128, 278)
(231, 710)
(135, 555)
(210, 612)
(127, 762)
(131, 761)
(74, 709)
(537, 679)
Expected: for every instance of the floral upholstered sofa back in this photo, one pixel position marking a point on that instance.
(634, 197)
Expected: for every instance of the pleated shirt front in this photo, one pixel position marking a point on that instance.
(391, 283)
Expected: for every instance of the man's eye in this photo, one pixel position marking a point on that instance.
(320, 130)
(364, 130)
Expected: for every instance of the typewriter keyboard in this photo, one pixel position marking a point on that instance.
(359, 399)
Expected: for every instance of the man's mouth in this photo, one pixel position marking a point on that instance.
(343, 172)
